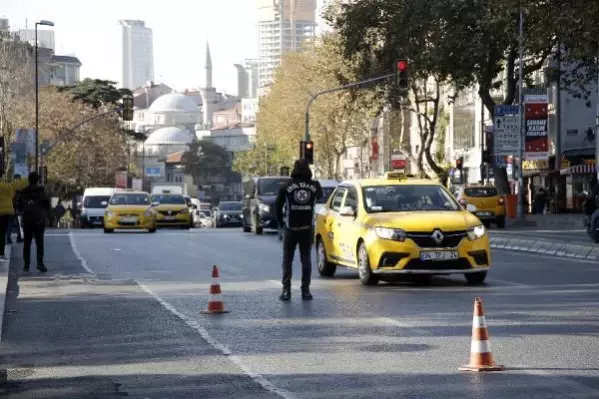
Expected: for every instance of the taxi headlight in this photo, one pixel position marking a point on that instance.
(476, 232)
(264, 207)
(387, 233)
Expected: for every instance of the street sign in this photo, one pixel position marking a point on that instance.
(153, 171)
(506, 130)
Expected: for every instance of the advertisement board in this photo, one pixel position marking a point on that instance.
(536, 139)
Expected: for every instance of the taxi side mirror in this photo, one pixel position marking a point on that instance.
(347, 211)
(155, 203)
(463, 202)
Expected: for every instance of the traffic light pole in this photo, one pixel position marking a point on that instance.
(340, 88)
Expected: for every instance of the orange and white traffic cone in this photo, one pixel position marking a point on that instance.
(481, 358)
(215, 303)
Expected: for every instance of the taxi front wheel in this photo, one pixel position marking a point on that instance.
(325, 268)
(476, 278)
(364, 270)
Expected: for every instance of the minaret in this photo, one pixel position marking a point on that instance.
(208, 92)
(208, 67)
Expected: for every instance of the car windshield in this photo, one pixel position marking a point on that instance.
(130, 199)
(230, 206)
(401, 198)
(270, 186)
(169, 199)
(480, 192)
(326, 194)
(95, 201)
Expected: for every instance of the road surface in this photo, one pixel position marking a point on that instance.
(387, 341)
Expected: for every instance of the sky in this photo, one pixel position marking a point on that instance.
(180, 29)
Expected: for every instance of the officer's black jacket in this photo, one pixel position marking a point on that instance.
(295, 201)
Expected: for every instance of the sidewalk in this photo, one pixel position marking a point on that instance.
(548, 222)
(68, 334)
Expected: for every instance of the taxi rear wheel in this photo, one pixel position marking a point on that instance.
(325, 268)
(364, 270)
(476, 278)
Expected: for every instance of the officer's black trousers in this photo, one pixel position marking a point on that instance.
(291, 239)
(30, 232)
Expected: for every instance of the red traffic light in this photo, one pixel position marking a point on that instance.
(402, 65)
(309, 145)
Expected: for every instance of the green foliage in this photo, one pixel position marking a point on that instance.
(206, 160)
(96, 93)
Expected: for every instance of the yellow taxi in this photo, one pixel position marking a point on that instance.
(398, 226)
(490, 206)
(130, 210)
(172, 210)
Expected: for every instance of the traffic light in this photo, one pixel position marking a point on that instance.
(401, 74)
(459, 163)
(127, 108)
(307, 151)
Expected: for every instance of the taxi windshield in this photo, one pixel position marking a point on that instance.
(169, 199)
(326, 194)
(402, 198)
(481, 192)
(130, 199)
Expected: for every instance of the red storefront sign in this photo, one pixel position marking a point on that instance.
(398, 163)
(536, 143)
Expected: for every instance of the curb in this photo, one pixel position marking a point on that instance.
(546, 247)
(4, 272)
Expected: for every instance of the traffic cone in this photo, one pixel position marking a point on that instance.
(481, 358)
(215, 304)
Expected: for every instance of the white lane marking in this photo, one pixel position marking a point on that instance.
(78, 254)
(509, 283)
(257, 378)
(236, 360)
(397, 323)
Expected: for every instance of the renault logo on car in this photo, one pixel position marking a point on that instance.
(170, 212)
(437, 236)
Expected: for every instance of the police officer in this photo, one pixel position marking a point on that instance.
(295, 213)
(33, 204)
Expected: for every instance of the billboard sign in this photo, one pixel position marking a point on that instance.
(536, 142)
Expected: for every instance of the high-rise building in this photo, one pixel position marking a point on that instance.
(283, 25)
(137, 54)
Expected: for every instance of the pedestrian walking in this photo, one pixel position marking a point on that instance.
(295, 213)
(7, 210)
(33, 205)
(14, 220)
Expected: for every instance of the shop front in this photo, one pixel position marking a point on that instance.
(579, 178)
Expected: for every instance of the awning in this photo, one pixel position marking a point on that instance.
(579, 169)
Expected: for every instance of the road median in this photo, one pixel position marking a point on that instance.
(559, 247)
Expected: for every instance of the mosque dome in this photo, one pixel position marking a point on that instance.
(169, 136)
(174, 102)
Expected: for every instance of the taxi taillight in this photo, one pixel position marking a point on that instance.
(501, 201)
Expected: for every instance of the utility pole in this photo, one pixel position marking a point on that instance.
(558, 108)
(520, 208)
(482, 141)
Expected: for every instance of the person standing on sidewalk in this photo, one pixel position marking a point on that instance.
(14, 220)
(7, 210)
(295, 212)
(33, 205)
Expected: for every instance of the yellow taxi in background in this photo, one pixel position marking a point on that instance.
(130, 210)
(490, 206)
(398, 226)
(172, 210)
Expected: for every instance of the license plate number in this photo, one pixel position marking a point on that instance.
(129, 219)
(439, 255)
(169, 218)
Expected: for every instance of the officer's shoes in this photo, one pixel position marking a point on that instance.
(285, 295)
(306, 296)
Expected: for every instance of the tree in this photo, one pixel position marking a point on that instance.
(96, 93)
(15, 83)
(90, 154)
(466, 43)
(338, 120)
(207, 162)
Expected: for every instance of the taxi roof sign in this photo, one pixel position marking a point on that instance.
(396, 175)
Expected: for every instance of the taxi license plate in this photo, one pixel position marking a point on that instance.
(439, 255)
(169, 218)
(129, 219)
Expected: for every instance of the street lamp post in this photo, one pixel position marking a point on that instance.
(520, 207)
(37, 103)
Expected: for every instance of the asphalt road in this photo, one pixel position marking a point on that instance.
(387, 341)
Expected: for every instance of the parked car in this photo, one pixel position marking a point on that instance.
(259, 194)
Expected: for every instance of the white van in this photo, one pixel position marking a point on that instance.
(95, 201)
